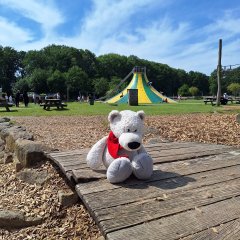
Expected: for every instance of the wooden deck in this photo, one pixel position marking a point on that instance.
(194, 193)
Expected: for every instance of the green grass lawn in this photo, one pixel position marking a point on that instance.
(75, 108)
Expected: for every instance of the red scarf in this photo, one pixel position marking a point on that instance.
(114, 146)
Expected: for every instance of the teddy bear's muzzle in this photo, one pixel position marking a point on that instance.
(134, 145)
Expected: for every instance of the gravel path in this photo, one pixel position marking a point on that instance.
(69, 133)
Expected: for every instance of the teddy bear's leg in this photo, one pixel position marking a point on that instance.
(142, 165)
(119, 170)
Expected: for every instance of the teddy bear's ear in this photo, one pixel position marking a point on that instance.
(113, 114)
(141, 114)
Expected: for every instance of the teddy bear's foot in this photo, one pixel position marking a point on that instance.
(142, 165)
(119, 170)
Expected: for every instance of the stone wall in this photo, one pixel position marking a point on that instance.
(18, 145)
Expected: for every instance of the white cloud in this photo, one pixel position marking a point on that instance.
(107, 27)
(9, 32)
(43, 12)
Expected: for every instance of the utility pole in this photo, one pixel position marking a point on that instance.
(219, 72)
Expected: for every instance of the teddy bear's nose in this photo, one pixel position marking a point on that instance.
(133, 145)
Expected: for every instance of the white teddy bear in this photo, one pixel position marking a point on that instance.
(122, 152)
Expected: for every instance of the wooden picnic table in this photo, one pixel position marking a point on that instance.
(194, 193)
(213, 100)
(53, 102)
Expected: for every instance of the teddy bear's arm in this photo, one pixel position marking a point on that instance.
(95, 155)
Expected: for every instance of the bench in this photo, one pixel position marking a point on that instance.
(211, 101)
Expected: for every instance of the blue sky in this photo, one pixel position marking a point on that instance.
(181, 33)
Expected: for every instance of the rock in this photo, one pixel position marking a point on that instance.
(68, 198)
(4, 125)
(1, 155)
(2, 142)
(16, 219)
(18, 166)
(8, 158)
(238, 118)
(12, 133)
(4, 119)
(32, 176)
(29, 153)
(2, 145)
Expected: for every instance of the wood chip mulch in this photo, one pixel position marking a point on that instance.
(76, 132)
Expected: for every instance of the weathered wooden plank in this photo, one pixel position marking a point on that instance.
(188, 155)
(80, 167)
(76, 160)
(227, 231)
(69, 153)
(86, 175)
(182, 224)
(166, 170)
(183, 168)
(112, 219)
(69, 158)
(186, 175)
(70, 161)
(173, 145)
(191, 149)
(130, 194)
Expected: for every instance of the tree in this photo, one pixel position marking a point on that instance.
(213, 83)
(113, 65)
(9, 65)
(193, 90)
(101, 86)
(22, 85)
(183, 90)
(199, 80)
(38, 80)
(234, 88)
(77, 81)
(56, 82)
(34, 59)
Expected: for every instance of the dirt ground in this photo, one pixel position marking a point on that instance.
(69, 133)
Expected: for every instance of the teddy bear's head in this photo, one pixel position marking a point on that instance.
(128, 127)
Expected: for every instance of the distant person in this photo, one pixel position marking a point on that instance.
(10, 99)
(25, 99)
(6, 97)
(225, 96)
(17, 98)
(79, 99)
(58, 96)
(34, 98)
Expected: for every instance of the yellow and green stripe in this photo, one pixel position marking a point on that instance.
(146, 93)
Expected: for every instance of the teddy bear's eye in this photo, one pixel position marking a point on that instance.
(135, 130)
(128, 130)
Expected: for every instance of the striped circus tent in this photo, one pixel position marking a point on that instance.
(146, 92)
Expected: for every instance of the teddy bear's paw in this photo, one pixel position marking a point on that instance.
(119, 170)
(142, 166)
